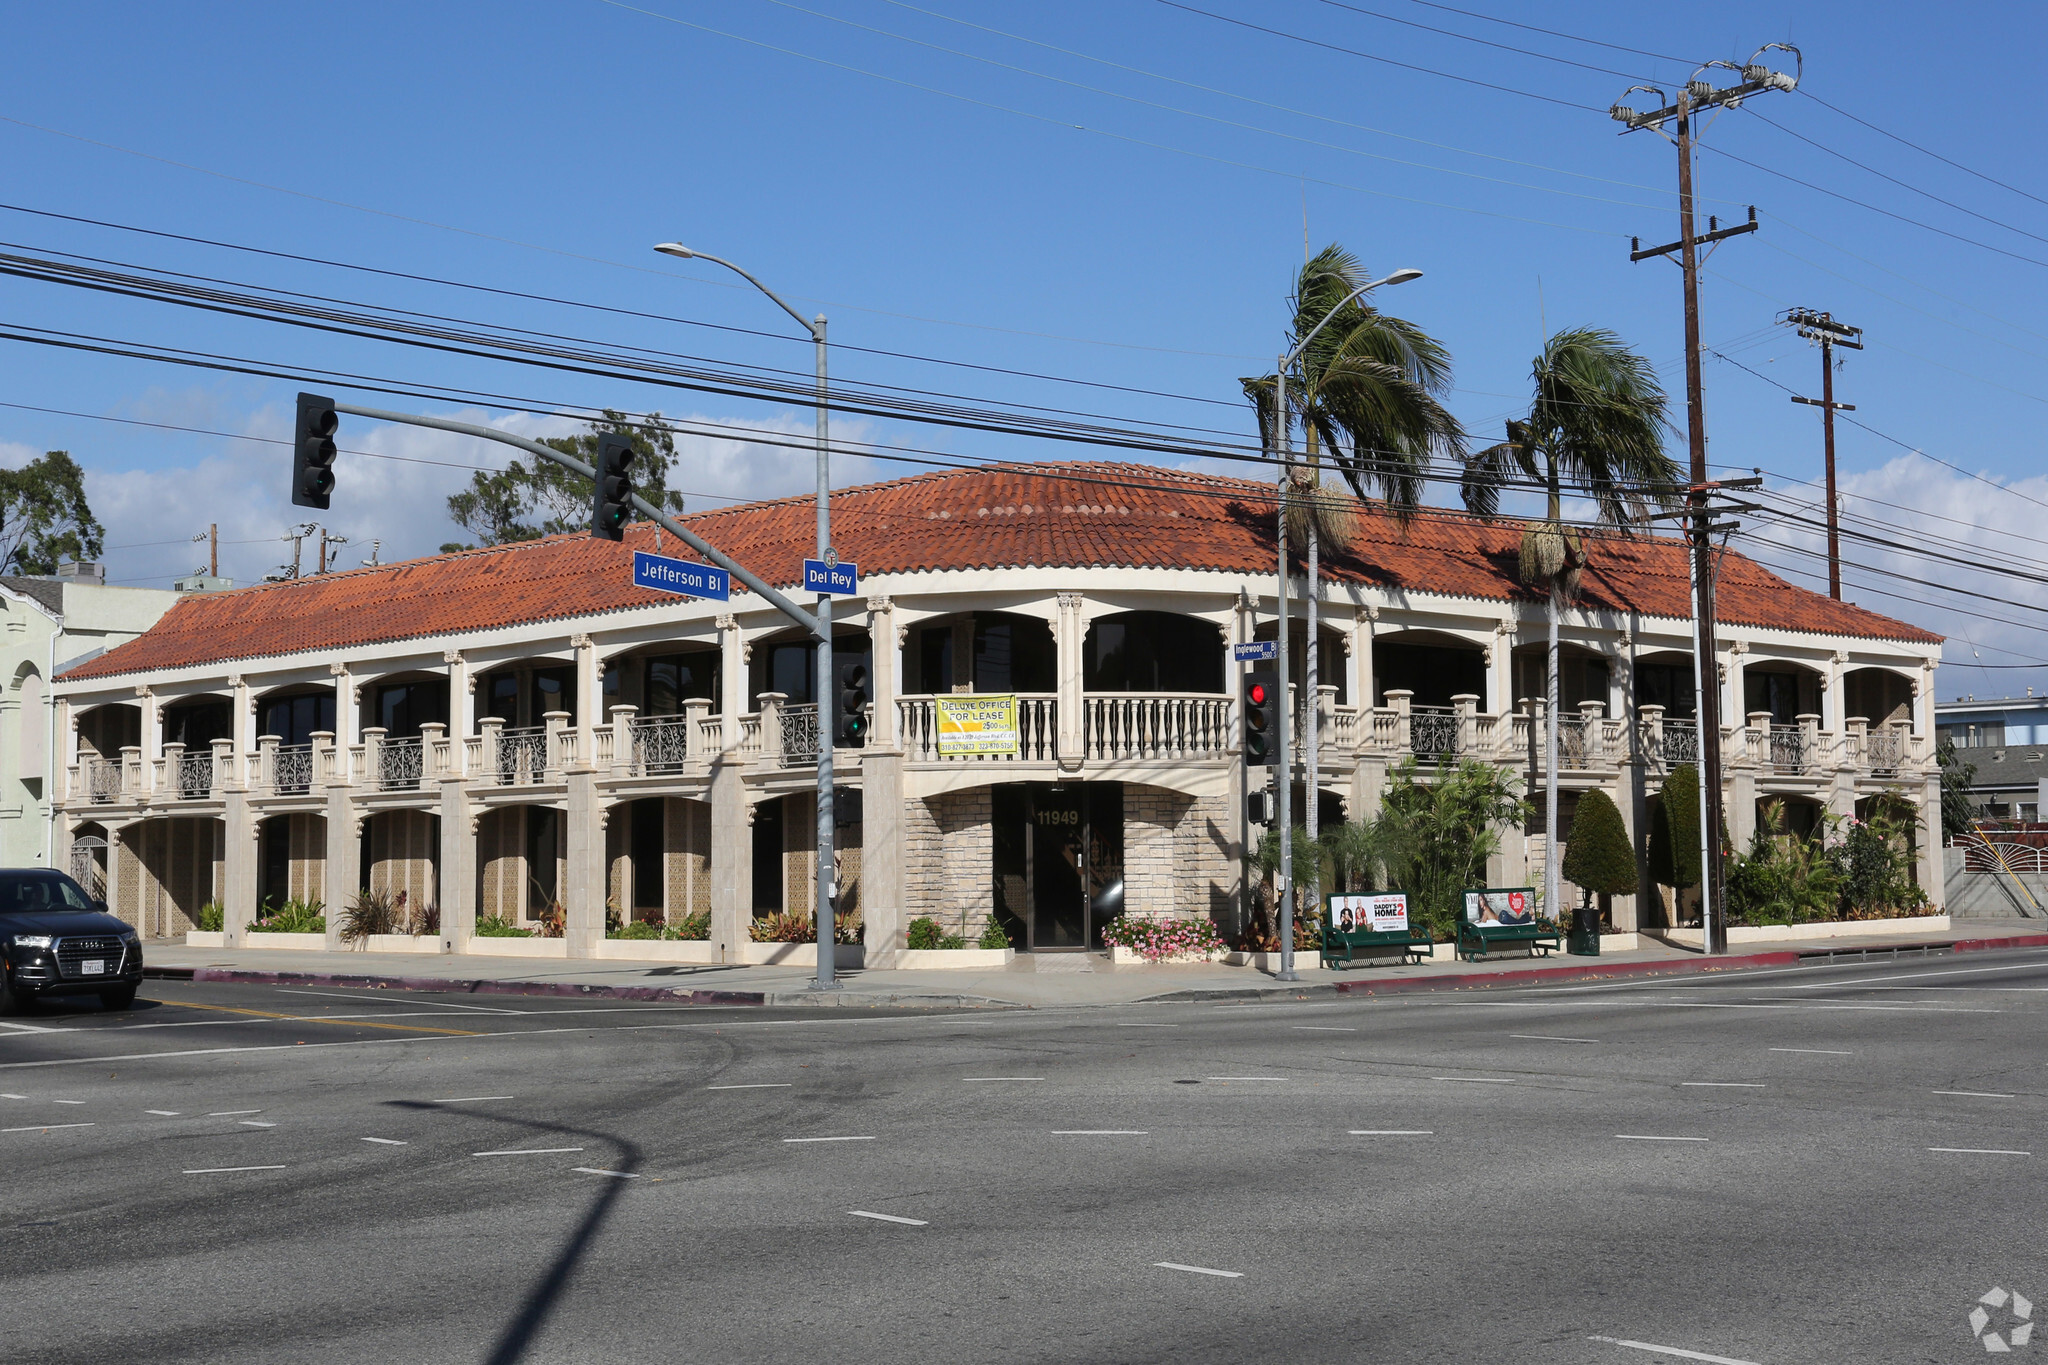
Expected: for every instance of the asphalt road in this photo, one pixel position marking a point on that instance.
(1813, 1164)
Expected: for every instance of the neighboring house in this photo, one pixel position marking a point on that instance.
(49, 625)
(2006, 741)
(502, 729)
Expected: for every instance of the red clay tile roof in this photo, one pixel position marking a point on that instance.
(997, 516)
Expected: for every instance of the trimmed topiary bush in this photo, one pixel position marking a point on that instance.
(1675, 831)
(1598, 857)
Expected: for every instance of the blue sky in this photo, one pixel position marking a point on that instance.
(1111, 192)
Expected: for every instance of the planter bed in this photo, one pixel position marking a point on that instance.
(303, 942)
(402, 943)
(1827, 929)
(514, 947)
(943, 959)
(849, 955)
(1305, 960)
(200, 938)
(1120, 956)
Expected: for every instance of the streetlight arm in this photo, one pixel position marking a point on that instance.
(748, 276)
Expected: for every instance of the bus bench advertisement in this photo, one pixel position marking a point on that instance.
(1503, 905)
(1382, 914)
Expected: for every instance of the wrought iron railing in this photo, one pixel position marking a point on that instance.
(195, 775)
(400, 763)
(1679, 742)
(1573, 736)
(102, 778)
(799, 733)
(1788, 748)
(291, 771)
(522, 755)
(1433, 733)
(1884, 750)
(661, 744)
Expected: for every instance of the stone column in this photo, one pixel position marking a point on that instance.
(1930, 869)
(152, 726)
(1834, 704)
(347, 722)
(732, 857)
(344, 839)
(881, 855)
(883, 679)
(1365, 680)
(458, 865)
(241, 727)
(1068, 636)
(461, 696)
(583, 900)
(732, 664)
(238, 865)
(589, 698)
(1500, 670)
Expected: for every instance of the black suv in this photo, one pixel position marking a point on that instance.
(56, 940)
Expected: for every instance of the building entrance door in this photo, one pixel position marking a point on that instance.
(1059, 861)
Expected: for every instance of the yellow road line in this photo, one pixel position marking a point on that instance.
(314, 1019)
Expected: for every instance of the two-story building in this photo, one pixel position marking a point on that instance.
(48, 624)
(2004, 740)
(503, 729)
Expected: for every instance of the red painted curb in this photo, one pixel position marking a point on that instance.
(1544, 975)
(1973, 945)
(452, 987)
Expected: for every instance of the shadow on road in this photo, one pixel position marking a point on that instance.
(540, 1300)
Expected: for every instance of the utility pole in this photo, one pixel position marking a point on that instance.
(325, 541)
(1699, 95)
(1823, 328)
(213, 550)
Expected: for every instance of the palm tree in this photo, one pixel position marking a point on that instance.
(1597, 422)
(1366, 390)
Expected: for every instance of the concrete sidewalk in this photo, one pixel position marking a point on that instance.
(1028, 983)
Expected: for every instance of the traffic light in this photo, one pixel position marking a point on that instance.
(1261, 720)
(853, 704)
(1258, 806)
(611, 498)
(313, 451)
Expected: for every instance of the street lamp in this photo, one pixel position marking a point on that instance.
(827, 882)
(1285, 768)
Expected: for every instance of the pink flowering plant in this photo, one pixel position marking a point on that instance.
(1158, 939)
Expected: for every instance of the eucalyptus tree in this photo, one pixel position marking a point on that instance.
(1596, 428)
(1367, 390)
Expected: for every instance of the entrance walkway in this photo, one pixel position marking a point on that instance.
(1021, 985)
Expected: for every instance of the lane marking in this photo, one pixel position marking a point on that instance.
(35, 1028)
(162, 1113)
(257, 1123)
(1321, 1028)
(46, 1127)
(1726, 1085)
(231, 1113)
(1551, 1038)
(316, 1019)
(869, 1138)
(1678, 1351)
(1393, 1132)
(1654, 1137)
(1981, 1151)
(1245, 1078)
(1910, 976)
(388, 1142)
(1147, 1026)
(592, 1170)
(67, 1101)
(1099, 1132)
(758, 1085)
(230, 1170)
(887, 1218)
(1818, 1051)
(471, 1099)
(529, 1151)
(1977, 1094)
(371, 999)
(1200, 1270)
(1002, 1078)
(13, 1097)
(1479, 1080)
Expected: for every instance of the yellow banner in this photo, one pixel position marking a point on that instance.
(977, 725)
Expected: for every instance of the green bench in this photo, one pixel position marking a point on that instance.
(1477, 940)
(1342, 945)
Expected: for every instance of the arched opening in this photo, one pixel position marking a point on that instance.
(401, 860)
(1790, 816)
(982, 651)
(31, 723)
(296, 714)
(1877, 695)
(291, 860)
(103, 731)
(520, 855)
(88, 865)
(1152, 651)
(1330, 657)
(785, 852)
(1786, 690)
(1433, 667)
(787, 664)
(400, 704)
(1666, 679)
(658, 679)
(1583, 675)
(659, 852)
(169, 870)
(522, 692)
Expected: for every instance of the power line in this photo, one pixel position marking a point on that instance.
(1924, 151)
(1555, 33)
(1483, 42)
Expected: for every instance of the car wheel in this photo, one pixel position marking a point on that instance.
(117, 998)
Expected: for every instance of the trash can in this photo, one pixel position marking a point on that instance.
(1583, 938)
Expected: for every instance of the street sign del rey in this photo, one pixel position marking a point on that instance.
(1258, 652)
(842, 578)
(680, 576)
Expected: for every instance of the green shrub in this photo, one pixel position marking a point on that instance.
(639, 931)
(496, 926)
(690, 928)
(213, 917)
(1675, 831)
(368, 912)
(295, 916)
(992, 935)
(926, 933)
(1598, 857)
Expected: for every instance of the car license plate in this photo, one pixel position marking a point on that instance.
(93, 966)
